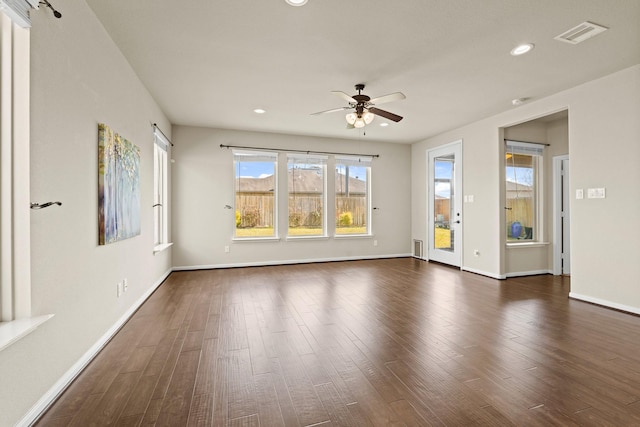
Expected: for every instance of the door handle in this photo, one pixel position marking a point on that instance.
(457, 222)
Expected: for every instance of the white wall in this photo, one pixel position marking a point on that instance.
(604, 147)
(78, 78)
(203, 182)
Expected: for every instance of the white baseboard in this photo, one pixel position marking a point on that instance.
(484, 273)
(286, 262)
(507, 275)
(528, 273)
(605, 303)
(52, 394)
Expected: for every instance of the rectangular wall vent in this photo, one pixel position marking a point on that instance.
(417, 248)
(581, 32)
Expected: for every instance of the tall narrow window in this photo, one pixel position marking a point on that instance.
(353, 205)
(306, 183)
(255, 194)
(15, 216)
(160, 190)
(523, 162)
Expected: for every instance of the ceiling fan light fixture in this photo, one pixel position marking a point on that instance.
(368, 117)
(296, 2)
(351, 118)
(359, 123)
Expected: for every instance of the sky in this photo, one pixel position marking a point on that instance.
(264, 169)
(443, 170)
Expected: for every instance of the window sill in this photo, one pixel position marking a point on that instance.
(352, 236)
(302, 238)
(160, 248)
(515, 245)
(254, 239)
(10, 332)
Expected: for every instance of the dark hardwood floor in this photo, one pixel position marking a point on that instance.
(384, 342)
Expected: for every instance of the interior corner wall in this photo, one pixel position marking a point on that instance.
(203, 183)
(78, 79)
(604, 150)
(603, 133)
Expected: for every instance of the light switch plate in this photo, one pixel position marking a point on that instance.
(596, 193)
(579, 193)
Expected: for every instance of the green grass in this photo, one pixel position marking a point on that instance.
(255, 232)
(351, 230)
(303, 231)
(297, 231)
(442, 238)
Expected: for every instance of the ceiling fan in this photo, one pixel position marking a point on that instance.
(364, 107)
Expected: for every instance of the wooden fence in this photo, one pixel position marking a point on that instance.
(256, 210)
(519, 210)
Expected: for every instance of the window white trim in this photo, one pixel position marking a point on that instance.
(320, 161)
(160, 191)
(536, 151)
(359, 161)
(242, 156)
(15, 214)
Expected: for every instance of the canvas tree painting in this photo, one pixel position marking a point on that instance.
(118, 187)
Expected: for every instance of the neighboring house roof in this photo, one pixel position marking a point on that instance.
(306, 181)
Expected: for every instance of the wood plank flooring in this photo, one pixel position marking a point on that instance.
(361, 343)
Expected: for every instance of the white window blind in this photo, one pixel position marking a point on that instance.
(18, 10)
(530, 148)
(364, 161)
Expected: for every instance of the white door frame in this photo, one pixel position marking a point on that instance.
(558, 235)
(452, 258)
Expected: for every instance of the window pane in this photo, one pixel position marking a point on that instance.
(521, 177)
(255, 195)
(159, 194)
(306, 184)
(443, 202)
(352, 198)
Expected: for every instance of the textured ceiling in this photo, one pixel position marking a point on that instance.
(210, 63)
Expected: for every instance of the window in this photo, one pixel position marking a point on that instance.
(160, 190)
(523, 164)
(353, 205)
(16, 318)
(255, 194)
(306, 184)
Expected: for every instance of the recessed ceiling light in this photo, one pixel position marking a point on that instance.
(296, 2)
(384, 124)
(522, 49)
(259, 111)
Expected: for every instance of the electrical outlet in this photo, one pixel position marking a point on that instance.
(476, 252)
(375, 243)
(226, 249)
(125, 285)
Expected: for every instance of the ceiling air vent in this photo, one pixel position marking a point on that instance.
(580, 33)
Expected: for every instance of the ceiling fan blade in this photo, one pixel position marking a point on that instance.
(343, 95)
(331, 111)
(397, 96)
(385, 114)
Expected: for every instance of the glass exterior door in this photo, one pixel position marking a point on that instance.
(445, 210)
